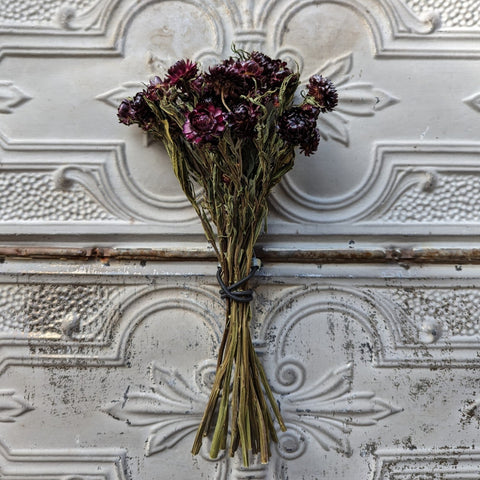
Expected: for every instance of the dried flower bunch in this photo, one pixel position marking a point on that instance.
(231, 134)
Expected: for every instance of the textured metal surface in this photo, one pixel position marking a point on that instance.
(366, 309)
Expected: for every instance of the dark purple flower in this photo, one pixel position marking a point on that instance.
(143, 114)
(324, 92)
(243, 119)
(274, 71)
(204, 124)
(310, 110)
(310, 143)
(181, 72)
(156, 89)
(226, 81)
(298, 127)
(126, 112)
(250, 68)
(137, 111)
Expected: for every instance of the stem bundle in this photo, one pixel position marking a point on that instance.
(243, 400)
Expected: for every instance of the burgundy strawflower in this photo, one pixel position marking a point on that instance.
(136, 110)
(204, 124)
(249, 68)
(243, 119)
(273, 71)
(310, 110)
(181, 72)
(298, 127)
(143, 114)
(201, 87)
(324, 92)
(226, 80)
(156, 89)
(309, 144)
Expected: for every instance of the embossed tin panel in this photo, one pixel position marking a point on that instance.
(366, 310)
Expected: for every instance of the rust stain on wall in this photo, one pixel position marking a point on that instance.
(380, 255)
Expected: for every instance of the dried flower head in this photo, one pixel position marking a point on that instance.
(126, 112)
(297, 126)
(226, 81)
(324, 92)
(243, 119)
(137, 111)
(204, 124)
(181, 72)
(156, 89)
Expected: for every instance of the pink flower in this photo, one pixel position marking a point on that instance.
(204, 124)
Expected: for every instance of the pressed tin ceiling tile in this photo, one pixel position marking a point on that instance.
(366, 310)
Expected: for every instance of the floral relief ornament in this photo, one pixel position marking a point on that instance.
(325, 410)
(231, 134)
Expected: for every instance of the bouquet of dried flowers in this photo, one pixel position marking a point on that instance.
(231, 134)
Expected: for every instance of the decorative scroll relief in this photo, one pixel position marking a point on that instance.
(455, 14)
(446, 316)
(395, 28)
(420, 465)
(84, 182)
(172, 407)
(54, 464)
(325, 411)
(405, 326)
(354, 99)
(37, 328)
(49, 311)
(414, 183)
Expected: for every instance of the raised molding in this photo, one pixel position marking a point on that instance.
(101, 31)
(458, 16)
(412, 318)
(455, 464)
(325, 411)
(403, 330)
(11, 96)
(393, 193)
(95, 338)
(473, 101)
(12, 406)
(63, 464)
(99, 167)
(398, 173)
